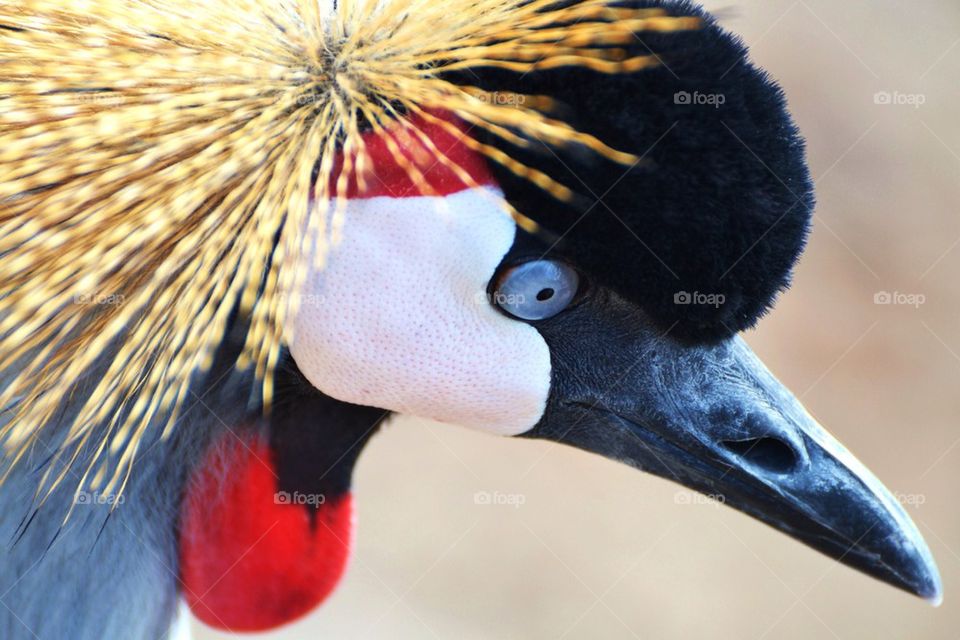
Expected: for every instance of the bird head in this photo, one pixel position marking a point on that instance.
(564, 248)
(608, 321)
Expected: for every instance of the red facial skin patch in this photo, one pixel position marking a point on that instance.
(251, 559)
(389, 178)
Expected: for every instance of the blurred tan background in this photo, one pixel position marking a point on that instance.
(597, 550)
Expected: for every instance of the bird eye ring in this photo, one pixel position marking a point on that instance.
(535, 290)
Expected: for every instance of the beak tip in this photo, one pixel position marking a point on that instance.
(917, 571)
(932, 585)
(936, 599)
(926, 582)
(932, 592)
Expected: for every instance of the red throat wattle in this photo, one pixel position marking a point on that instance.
(253, 558)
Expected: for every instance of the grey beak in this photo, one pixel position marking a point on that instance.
(713, 418)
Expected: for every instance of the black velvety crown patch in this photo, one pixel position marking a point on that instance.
(704, 230)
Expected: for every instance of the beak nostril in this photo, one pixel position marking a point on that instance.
(771, 454)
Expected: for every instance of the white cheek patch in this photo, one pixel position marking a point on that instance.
(399, 318)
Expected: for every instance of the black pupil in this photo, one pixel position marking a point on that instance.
(545, 294)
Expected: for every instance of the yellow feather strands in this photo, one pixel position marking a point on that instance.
(156, 161)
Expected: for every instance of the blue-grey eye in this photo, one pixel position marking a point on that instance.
(536, 290)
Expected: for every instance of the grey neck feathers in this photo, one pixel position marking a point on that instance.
(107, 573)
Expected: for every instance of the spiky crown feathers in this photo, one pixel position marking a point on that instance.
(162, 156)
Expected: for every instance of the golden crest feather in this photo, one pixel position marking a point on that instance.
(158, 159)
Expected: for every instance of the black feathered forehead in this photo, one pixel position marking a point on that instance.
(704, 230)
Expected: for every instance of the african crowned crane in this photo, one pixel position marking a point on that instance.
(607, 321)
